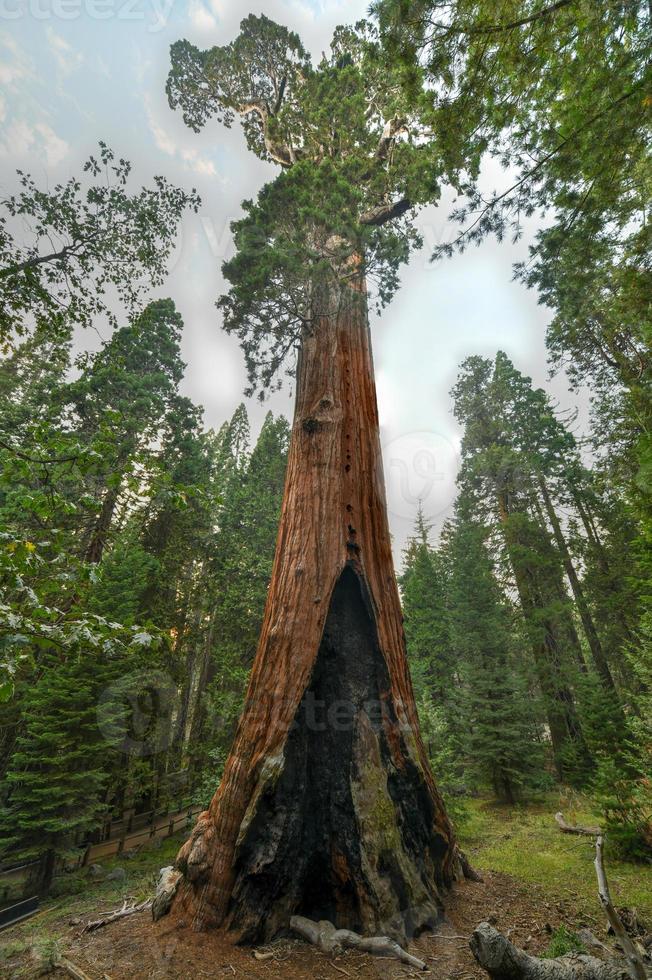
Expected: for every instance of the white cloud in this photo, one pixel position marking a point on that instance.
(101, 67)
(21, 139)
(201, 18)
(201, 165)
(66, 57)
(218, 7)
(8, 74)
(14, 64)
(163, 141)
(191, 157)
(3, 109)
(55, 148)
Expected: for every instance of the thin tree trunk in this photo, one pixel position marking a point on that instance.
(95, 547)
(196, 688)
(327, 806)
(597, 653)
(620, 612)
(590, 528)
(567, 616)
(195, 643)
(563, 722)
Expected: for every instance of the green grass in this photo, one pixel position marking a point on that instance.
(563, 941)
(81, 897)
(526, 843)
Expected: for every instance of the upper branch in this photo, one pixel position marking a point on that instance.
(280, 153)
(392, 128)
(509, 26)
(383, 213)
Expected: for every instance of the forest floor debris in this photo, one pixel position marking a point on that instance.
(551, 884)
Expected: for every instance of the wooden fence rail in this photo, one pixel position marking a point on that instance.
(17, 882)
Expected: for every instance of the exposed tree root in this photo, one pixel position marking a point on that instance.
(166, 888)
(117, 914)
(503, 961)
(332, 941)
(567, 828)
(469, 873)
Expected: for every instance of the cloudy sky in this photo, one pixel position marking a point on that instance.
(75, 71)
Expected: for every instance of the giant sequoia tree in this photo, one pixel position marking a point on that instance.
(327, 805)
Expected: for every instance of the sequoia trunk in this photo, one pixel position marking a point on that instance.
(327, 806)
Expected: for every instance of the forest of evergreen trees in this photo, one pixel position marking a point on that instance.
(136, 547)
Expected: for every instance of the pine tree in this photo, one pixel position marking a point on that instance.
(501, 744)
(426, 617)
(53, 789)
(120, 401)
(498, 476)
(241, 566)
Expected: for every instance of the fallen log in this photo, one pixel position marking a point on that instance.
(333, 941)
(504, 961)
(117, 914)
(71, 969)
(567, 828)
(635, 964)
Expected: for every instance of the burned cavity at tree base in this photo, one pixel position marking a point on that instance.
(341, 832)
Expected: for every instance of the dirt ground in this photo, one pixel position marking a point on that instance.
(136, 949)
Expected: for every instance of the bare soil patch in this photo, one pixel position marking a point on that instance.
(137, 949)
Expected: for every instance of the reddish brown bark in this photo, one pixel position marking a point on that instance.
(381, 850)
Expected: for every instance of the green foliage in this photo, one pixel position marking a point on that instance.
(525, 842)
(209, 776)
(355, 161)
(563, 941)
(426, 615)
(85, 240)
(474, 707)
(136, 548)
(445, 755)
(94, 639)
(54, 784)
(623, 792)
(556, 92)
(512, 447)
(129, 590)
(501, 736)
(240, 567)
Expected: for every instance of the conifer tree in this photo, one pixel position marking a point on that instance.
(122, 398)
(53, 789)
(240, 568)
(354, 167)
(500, 478)
(501, 743)
(427, 626)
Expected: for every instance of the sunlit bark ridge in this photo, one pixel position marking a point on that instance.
(327, 806)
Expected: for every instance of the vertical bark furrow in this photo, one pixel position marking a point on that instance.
(333, 517)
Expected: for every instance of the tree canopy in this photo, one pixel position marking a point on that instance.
(357, 160)
(91, 237)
